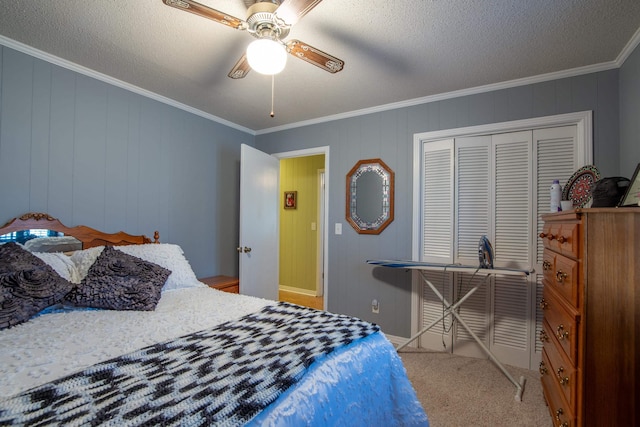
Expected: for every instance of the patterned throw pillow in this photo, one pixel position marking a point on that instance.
(118, 281)
(27, 285)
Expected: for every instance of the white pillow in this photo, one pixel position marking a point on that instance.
(53, 244)
(62, 264)
(166, 255)
(84, 259)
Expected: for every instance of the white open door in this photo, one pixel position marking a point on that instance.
(258, 248)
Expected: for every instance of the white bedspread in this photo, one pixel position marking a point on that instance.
(362, 384)
(55, 345)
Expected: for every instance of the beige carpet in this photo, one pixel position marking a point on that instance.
(462, 391)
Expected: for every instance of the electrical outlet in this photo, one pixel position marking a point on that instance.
(375, 306)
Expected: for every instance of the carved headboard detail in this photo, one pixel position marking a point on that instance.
(89, 237)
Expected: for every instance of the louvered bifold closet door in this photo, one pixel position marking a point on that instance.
(474, 194)
(512, 153)
(439, 337)
(437, 197)
(437, 237)
(556, 158)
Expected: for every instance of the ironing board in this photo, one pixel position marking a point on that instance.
(450, 309)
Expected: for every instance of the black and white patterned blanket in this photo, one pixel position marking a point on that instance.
(221, 376)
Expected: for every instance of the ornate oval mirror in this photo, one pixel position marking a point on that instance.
(370, 196)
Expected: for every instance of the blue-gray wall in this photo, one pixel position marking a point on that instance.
(352, 284)
(90, 153)
(630, 114)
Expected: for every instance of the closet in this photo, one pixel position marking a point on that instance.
(494, 184)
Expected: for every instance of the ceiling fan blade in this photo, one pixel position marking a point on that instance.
(206, 12)
(241, 69)
(291, 11)
(315, 56)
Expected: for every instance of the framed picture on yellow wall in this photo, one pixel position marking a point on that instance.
(290, 199)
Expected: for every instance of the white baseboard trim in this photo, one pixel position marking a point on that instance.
(398, 341)
(308, 292)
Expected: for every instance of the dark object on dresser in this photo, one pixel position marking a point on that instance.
(607, 192)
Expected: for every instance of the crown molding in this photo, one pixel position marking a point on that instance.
(617, 63)
(629, 48)
(454, 94)
(21, 47)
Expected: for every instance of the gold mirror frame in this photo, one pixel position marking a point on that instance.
(380, 205)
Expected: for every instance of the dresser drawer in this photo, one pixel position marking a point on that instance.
(561, 412)
(562, 372)
(563, 277)
(562, 238)
(560, 325)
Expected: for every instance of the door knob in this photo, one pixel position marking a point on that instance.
(245, 249)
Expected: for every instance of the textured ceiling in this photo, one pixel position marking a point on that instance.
(394, 51)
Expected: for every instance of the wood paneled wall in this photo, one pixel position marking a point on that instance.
(90, 153)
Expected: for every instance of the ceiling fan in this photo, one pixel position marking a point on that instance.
(269, 21)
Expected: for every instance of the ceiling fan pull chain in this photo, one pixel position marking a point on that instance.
(273, 79)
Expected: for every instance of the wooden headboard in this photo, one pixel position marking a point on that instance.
(88, 236)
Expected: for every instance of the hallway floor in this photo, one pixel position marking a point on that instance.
(301, 299)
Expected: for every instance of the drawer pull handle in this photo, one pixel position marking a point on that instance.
(546, 265)
(561, 333)
(560, 276)
(558, 413)
(542, 368)
(548, 236)
(562, 239)
(543, 304)
(561, 379)
(543, 337)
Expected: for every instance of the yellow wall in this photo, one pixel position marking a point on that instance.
(298, 242)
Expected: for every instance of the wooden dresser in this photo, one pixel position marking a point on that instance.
(591, 328)
(223, 283)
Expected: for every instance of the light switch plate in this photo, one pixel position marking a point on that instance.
(338, 228)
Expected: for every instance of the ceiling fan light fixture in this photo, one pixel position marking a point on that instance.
(266, 56)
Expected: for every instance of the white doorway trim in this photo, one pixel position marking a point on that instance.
(325, 220)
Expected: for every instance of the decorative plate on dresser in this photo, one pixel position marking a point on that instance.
(578, 188)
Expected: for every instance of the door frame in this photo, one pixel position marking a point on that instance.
(325, 220)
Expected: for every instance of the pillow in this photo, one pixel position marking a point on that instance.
(27, 285)
(119, 281)
(53, 244)
(167, 255)
(84, 259)
(61, 263)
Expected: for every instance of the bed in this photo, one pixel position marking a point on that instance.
(119, 331)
